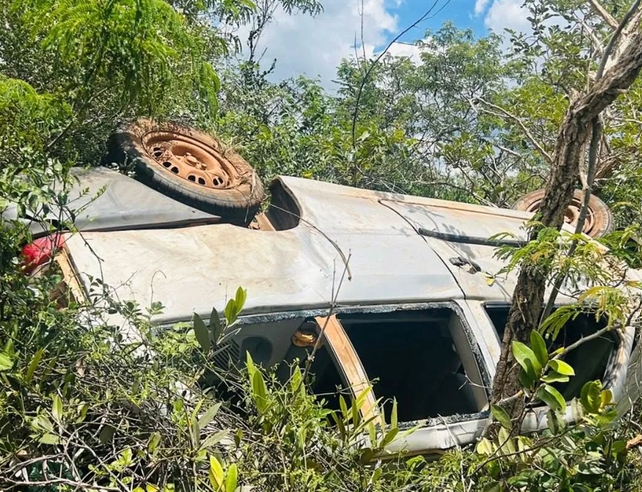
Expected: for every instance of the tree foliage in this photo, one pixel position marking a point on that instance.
(82, 406)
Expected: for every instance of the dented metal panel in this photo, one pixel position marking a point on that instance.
(192, 269)
(367, 238)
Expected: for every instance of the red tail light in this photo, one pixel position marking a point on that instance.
(41, 251)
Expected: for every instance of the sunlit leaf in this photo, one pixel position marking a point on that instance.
(562, 367)
(231, 479)
(6, 363)
(56, 408)
(552, 397)
(208, 416)
(216, 475)
(522, 354)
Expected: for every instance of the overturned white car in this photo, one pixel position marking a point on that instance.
(414, 313)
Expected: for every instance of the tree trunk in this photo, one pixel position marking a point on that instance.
(528, 298)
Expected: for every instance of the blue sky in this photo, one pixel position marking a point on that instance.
(315, 46)
(459, 12)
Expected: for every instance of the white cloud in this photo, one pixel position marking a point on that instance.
(411, 51)
(504, 14)
(480, 6)
(314, 46)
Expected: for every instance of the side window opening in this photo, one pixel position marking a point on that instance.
(589, 360)
(272, 345)
(326, 381)
(283, 211)
(412, 356)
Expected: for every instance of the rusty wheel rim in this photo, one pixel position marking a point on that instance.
(572, 214)
(191, 160)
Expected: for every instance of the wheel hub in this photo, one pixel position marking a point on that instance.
(572, 214)
(191, 159)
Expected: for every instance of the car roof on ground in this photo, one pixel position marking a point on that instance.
(193, 269)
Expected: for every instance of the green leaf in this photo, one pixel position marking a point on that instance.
(33, 365)
(485, 447)
(492, 487)
(539, 348)
(154, 441)
(41, 422)
(551, 397)
(230, 311)
(389, 437)
(504, 440)
(259, 392)
(231, 479)
(501, 416)
(195, 434)
(591, 396)
(50, 439)
(216, 475)
(344, 407)
(372, 431)
(241, 297)
(235, 306)
(356, 415)
(6, 363)
(526, 380)
(558, 319)
(366, 456)
(216, 327)
(106, 434)
(214, 439)
(339, 421)
(562, 367)
(554, 377)
(522, 354)
(249, 363)
(296, 381)
(555, 424)
(201, 332)
(56, 408)
(618, 447)
(393, 414)
(208, 416)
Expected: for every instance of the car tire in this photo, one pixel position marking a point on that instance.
(599, 220)
(189, 166)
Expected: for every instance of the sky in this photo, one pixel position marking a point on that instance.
(315, 46)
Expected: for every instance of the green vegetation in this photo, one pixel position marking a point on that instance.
(83, 407)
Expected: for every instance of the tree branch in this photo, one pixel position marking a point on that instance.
(617, 35)
(519, 122)
(594, 150)
(601, 11)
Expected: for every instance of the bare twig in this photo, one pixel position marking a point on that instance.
(355, 114)
(57, 481)
(507, 114)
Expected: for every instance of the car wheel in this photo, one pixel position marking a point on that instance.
(599, 220)
(191, 167)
